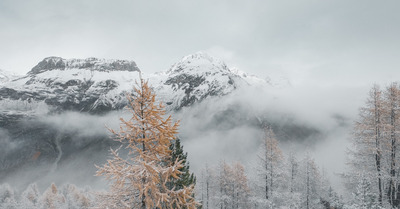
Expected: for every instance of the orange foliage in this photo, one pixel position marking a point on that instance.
(140, 179)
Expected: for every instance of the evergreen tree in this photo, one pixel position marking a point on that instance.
(334, 200)
(364, 197)
(185, 178)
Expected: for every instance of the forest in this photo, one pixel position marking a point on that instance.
(150, 168)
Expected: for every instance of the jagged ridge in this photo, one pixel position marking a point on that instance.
(98, 85)
(58, 63)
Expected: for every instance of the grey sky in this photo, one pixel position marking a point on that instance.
(324, 43)
(333, 49)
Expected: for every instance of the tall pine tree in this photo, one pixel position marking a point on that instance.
(185, 178)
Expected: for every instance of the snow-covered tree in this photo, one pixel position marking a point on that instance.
(364, 197)
(335, 200)
(368, 146)
(232, 190)
(30, 197)
(270, 170)
(7, 196)
(206, 187)
(75, 198)
(293, 194)
(311, 186)
(222, 198)
(140, 179)
(374, 146)
(52, 199)
(240, 188)
(392, 126)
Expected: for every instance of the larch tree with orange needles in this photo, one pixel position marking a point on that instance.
(271, 158)
(140, 179)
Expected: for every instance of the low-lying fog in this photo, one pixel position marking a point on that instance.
(229, 128)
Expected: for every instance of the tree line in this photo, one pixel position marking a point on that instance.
(150, 169)
(278, 181)
(374, 155)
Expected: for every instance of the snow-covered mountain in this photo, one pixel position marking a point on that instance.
(6, 76)
(69, 86)
(84, 85)
(195, 78)
(45, 126)
(98, 85)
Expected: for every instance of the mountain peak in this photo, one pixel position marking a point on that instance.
(198, 62)
(94, 64)
(200, 56)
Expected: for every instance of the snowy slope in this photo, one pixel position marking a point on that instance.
(195, 78)
(6, 76)
(251, 80)
(98, 85)
(84, 85)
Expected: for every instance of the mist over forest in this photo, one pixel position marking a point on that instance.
(63, 147)
(273, 104)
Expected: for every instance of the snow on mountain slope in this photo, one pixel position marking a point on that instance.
(195, 78)
(92, 64)
(84, 85)
(251, 80)
(6, 76)
(98, 85)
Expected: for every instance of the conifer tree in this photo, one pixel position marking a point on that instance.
(223, 197)
(185, 178)
(7, 196)
(207, 187)
(52, 199)
(241, 190)
(368, 145)
(364, 198)
(294, 189)
(74, 197)
(30, 197)
(392, 125)
(311, 183)
(232, 190)
(140, 179)
(375, 141)
(272, 160)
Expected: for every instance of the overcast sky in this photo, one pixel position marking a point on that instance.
(323, 43)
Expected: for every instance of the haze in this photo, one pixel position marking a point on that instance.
(330, 51)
